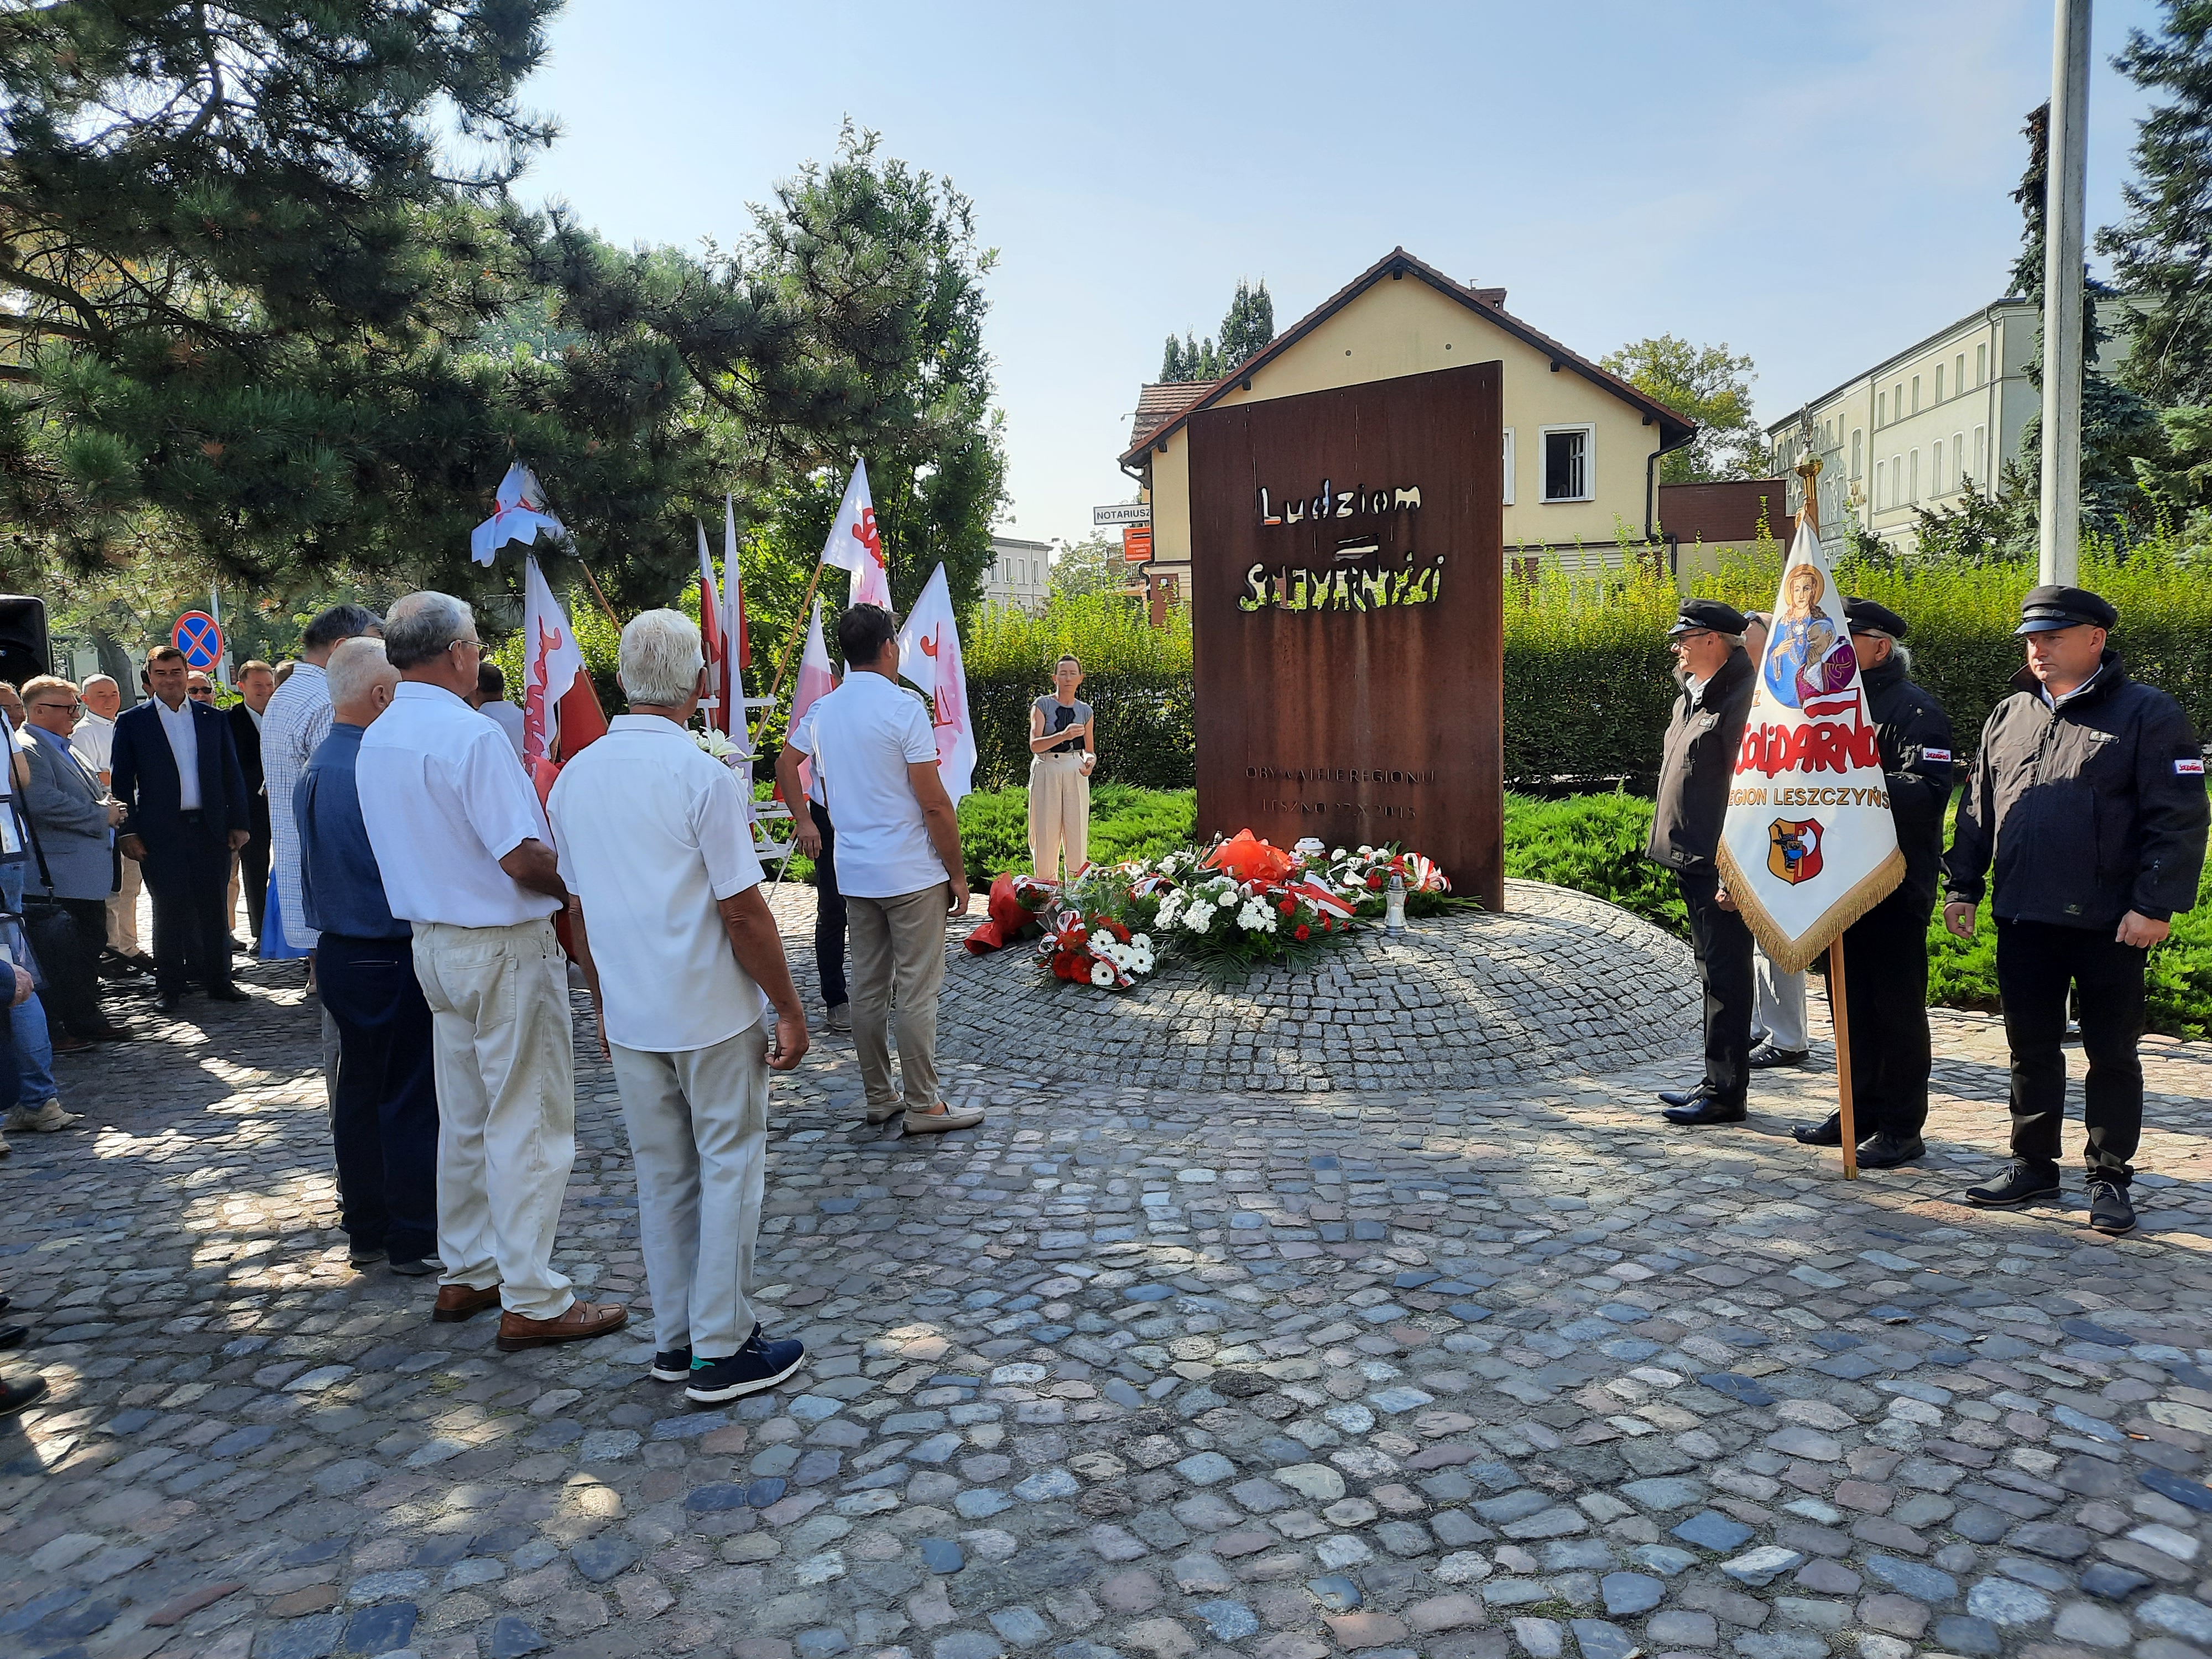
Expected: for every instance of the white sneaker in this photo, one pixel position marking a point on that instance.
(46, 1120)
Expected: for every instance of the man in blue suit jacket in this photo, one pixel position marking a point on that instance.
(175, 770)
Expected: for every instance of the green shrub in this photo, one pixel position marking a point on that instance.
(1125, 823)
(1137, 678)
(1593, 844)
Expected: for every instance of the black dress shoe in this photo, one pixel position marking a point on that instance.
(1710, 1109)
(1829, 1132)
(1884, 1150)
(227, 994)
(1689, 1097)
(11, 1336)
(1767, 1056)
(2109, 1209)
(14, 1396)
(169, 1001)
(2022, 1183)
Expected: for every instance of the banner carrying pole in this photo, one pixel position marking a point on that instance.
(1839, 995)
(805, 606)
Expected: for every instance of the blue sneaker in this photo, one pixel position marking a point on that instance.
(759, 1364)
(672, 1365)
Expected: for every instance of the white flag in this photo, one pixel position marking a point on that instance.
(929, 655)
(520, 517)
(551, 662)
(1809, 846)
(815, 681)
(855, 545)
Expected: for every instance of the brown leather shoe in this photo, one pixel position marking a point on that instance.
(456, 1302)
(582, 1321)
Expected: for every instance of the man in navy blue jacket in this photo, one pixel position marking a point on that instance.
(175, 770)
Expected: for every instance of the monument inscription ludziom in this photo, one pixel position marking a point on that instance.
(1348, 577)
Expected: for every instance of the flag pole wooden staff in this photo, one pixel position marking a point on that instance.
(1839, 995)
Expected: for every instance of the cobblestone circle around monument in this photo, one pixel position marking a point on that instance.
(1561, 983)
(1511, 1371)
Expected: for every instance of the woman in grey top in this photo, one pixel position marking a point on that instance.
(1063, 752)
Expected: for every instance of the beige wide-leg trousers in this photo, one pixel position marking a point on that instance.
(1060, 815)
(698, 1130)
(506, 1106)
(898, 946)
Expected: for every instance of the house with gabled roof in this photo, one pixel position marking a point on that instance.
(1582, 446)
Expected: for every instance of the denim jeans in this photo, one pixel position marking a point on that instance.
(26, 1023)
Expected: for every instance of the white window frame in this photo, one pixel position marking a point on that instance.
(1912, 476)
(1959, 475)
(1857, 472)
(1589, 430)
(1934, 474)
(1940, 367)
(1506, 495)
(1981, 456)
(1982, 364)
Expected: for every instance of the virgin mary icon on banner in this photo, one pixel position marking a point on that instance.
(1810, 658)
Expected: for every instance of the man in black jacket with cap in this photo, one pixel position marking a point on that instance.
(2088, 795)
(1699, 759)
(1886, 951)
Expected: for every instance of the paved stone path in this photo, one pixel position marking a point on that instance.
(1560, 984)
(1464, 1374)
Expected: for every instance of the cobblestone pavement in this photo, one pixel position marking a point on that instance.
(1464, 1373)
(1561, 983)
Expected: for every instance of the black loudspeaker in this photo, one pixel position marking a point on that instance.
(24, 651)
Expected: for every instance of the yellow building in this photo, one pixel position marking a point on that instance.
(1582, 446)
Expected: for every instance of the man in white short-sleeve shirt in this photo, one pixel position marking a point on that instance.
(678, 945)
(898, 864)
(462, 849)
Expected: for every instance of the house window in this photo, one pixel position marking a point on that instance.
(1959, 374)
(1935, 468)
(1939, 383)
(1877, 486)
(1507, 495)
(1915, 394)
(1882, 408)
(1959, 459)
(1982, 366)
(1896, 480)
(1912, 478)
(1981, 454)
(1567, 463)
(1854, 455)
(1897, 400)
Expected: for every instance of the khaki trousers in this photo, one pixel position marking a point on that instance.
(898, 947)
(698, 1130)
(506, 1106)
(1060, 815)
(123, 911)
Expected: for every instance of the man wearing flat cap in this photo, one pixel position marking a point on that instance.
(1702, 739)
(2088, 795)
(1886, 951)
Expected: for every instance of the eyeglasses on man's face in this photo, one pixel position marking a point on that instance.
(56, 702)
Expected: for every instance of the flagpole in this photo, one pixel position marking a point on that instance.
(783, 661)
(1839, 996)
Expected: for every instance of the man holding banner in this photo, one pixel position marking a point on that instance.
(1702, 742)
(2088, 795)
(1886, 951)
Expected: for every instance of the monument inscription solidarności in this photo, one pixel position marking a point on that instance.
(1349, 576)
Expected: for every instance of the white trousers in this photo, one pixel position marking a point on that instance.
(123, 911)
(698, 1130)
(1060, 815)
(1780, 1009)
(506, 1106)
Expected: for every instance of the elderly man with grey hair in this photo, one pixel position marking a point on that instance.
(463, 850)
(695, 1003)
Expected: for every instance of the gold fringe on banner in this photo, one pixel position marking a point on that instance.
(1795, 956)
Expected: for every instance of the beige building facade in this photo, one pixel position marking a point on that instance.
(1912, 432)
(1582, 446)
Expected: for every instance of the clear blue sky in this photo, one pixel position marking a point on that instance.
(1817, 185)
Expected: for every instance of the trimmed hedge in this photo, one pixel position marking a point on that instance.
(1136, 678)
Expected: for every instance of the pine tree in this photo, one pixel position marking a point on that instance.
(1248, 325)
(1191, 359)
(234, 259)
(2118, 424)
(2162, 250)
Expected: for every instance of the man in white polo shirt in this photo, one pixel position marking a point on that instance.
(678, 945)
(462, 848)
(898, 864)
